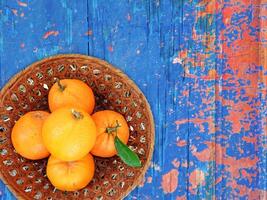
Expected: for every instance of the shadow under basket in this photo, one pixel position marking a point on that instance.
(28, 90)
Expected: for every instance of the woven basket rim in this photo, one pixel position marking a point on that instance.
(16, 77)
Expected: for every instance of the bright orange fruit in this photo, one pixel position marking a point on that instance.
(108, 124)
(71, 92)
(26, 135)
(70, 176)
(69, 133)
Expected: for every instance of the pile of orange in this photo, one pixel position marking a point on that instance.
(69, 134)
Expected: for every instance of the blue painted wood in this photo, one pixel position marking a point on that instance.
(179, 54)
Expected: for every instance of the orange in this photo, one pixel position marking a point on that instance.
(71, 92)
(70, 176)
(26, 135)
(108, 124)
(69, 133)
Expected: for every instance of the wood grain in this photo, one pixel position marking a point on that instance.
(197, 62)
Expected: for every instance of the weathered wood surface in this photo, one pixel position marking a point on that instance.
(200, 63)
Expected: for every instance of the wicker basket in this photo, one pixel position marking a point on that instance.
(28, 91)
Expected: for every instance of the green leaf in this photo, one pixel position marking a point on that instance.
(126, 154)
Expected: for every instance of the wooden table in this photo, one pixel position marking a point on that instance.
(200, 63)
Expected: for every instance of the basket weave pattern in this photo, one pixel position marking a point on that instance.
(28, 91)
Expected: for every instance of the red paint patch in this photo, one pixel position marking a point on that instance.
(199, 122)
(181, 198)
(235, 165)
(205, 155)
(15, 12)
(218, 180)
(22, 45)
(209, 153)
(181, 143)
(196, 178)
(185, 93)
(212, 74)
(176, 163)
(249, 139)
(129, 17)
(241, 151)
(209, 6)
(257, 194)
(238, 112)
(247, 175)
(177, 60)
(169, 181)
(89, 32)
(23, 4)
(149, 179)
(242, 189)
(184, 164)
(232, 164)
(110, 48)
(222, 137)
(141, 184)
(183, 54)
(50, 33)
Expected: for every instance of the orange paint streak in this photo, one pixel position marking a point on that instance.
(22, 4)
(249, 139)
(169, 181)
(50, 33)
